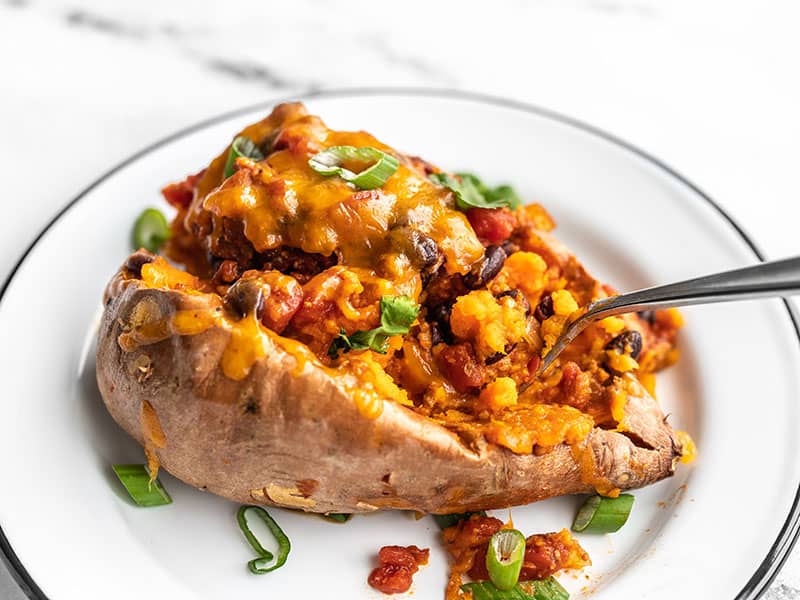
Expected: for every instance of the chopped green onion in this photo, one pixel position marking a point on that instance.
(241, 146)
(600, 514)
(143, 490)
(504, 558)
(471, 192)
(484, 590)
(445, 521)
(329, 162)
(150, 230)
(258, 565)
(338, 517)
(547, 589)
(397, 315)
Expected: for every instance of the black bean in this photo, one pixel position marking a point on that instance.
(486, 269)
(648, 315)
(519, 297)
(496, 357)
(426, 251)
(245, 296)
(511, 293)
(627, 339)
(436, 334)
(509, 247)
(440, 317)
(137, 260)
(544, 310)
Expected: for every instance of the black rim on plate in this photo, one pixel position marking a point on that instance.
(788, 534)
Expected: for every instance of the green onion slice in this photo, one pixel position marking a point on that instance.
(143, 490)
(338, 517)
(603, 515)
(150, 230)
(546, 589)
(241, 146)
(445, 521)
(329, 162)
(505, 557)
(259, 565)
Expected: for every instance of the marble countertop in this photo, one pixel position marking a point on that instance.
(710, 87)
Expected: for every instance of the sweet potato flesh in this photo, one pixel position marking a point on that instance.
(300, 257)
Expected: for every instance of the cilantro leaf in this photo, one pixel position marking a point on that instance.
(397, 315)
(506, 193)
(471, 192)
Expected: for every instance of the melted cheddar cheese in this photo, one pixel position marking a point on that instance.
(289, 258)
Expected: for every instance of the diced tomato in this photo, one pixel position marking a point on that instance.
(479, 572)
(397, 565)
(459, 365)
(390, 579)
(478, 529)
(282, 304)
(227, 272)
(180, 194)
(492, 225)
(533, 365)
(545, 554)
(575, 385)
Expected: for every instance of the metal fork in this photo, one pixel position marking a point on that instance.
(765, 280)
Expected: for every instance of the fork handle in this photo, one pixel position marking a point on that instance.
(764, 280)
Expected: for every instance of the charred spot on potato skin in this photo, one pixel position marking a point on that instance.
(251, 407)
(142, 367)
(307, 487)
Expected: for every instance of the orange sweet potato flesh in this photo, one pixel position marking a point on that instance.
(291, 434)
(222, 372)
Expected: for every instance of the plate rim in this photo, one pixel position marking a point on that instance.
(788, 535)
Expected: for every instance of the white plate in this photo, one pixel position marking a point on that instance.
(720, 528)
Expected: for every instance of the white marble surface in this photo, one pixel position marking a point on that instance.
(711, 87)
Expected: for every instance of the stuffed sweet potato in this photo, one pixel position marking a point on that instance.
(355, 330)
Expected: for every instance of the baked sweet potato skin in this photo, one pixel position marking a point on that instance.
(292, 436)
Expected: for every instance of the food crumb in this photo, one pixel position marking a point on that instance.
(397, 565)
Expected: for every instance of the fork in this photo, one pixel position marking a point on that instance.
(764, 280)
